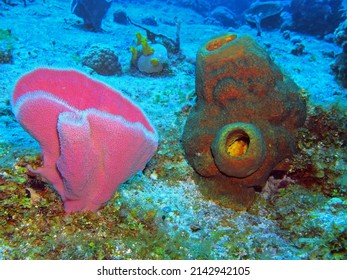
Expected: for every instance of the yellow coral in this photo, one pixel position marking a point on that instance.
(155, 61)
(139, 38)
(142, 40)
(134, 54)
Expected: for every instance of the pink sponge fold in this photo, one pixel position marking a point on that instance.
(92, 138)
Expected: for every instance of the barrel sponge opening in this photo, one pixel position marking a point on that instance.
(238, 149)
(220, 41)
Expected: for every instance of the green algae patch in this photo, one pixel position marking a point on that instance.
(33, 224)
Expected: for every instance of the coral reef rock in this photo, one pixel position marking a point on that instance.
(103, 61)
(120, 17)
(339, 66)
(340, 33)
(224, 16)
(244, 121)
(315, 17)
(91, 11)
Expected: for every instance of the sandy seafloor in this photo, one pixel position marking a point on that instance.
(49, 35)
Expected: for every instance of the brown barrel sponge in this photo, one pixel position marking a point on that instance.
(244, 121)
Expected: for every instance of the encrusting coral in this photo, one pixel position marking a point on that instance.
(244, 121)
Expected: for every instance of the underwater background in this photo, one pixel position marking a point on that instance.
(163, 212)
